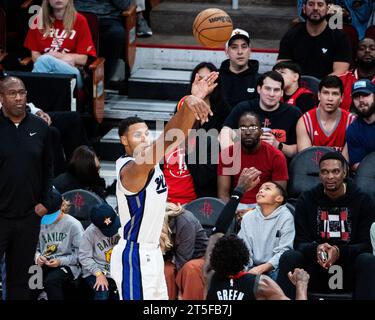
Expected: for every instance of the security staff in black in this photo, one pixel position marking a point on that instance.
(25, 184)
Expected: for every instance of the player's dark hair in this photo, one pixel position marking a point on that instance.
(126, 123)
(229, 256)
(250, 113)
(334, 155)
(274, 75)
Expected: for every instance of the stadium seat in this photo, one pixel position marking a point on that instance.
(311, 83)
(304, 171)
(81, 203)
(207, 210)
(365, 176)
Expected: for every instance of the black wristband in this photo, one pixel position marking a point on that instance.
(238, 191)
(280, 146)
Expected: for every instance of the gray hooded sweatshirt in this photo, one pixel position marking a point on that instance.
(268, 237)
(95, 251)
(60, 240)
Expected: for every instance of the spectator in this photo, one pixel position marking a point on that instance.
(57, 251)
(230, 282)
(143, 29)
(190, 169)
(214, 99)
(360, 134)
(318, 49)
(268, 231)
(60, 39)
(252, 152)
(82, 173)
(295, 95)
(325, 125)
(183, 242)
(365, 70)
(279, 117)
(332, 223)
(26, 176)
(96, 248)
(238, 74)
(111, 30)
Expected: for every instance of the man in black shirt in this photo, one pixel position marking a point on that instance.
(333, 222)
(318, 49)
(278, 120)
(25, 184)
(239, 73)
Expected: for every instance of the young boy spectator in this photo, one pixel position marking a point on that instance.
(294, 94)
(57, 251)
(95, 250)
(268, 231)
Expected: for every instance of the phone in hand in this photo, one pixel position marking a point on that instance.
(323, 256)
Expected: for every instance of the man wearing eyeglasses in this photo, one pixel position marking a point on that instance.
(25, 184)
(251, 151)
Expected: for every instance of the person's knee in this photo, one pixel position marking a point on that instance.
(365, 263)
(192, 267)
(44, 61)
(290, 259)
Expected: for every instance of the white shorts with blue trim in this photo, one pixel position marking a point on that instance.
(138, 270)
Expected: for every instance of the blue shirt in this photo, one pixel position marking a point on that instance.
(360, 138)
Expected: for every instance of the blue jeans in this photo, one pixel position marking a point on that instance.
(101, 295)
(273, 274)
(49, 64)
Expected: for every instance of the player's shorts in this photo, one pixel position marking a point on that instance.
(138, 270)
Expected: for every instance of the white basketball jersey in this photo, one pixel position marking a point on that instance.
(142, 213)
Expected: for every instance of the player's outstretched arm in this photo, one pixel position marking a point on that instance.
(135, 174)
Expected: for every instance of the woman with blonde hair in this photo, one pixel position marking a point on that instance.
(60, 39)
(183, 242)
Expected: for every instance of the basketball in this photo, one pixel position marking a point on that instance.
(212, 28)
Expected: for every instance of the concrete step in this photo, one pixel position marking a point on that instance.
(263, 22)
(120, 107)
(159, 84)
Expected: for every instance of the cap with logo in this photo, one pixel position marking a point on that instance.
(105, 219)
(54, 208)
(238, 34)
(363, 86)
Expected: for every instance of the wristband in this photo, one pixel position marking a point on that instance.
(181, 102)
(280, 146)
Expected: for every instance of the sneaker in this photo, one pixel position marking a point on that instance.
(143, 30)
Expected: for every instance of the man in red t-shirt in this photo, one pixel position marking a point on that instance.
(61, 51)
(365, 70)
(325, 125)
(250, 152)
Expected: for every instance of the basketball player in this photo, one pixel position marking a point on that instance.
(137, 264)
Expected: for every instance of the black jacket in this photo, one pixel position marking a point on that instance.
(241, 86)
(313, 205)
(25, 166)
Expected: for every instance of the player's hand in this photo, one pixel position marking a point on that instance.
(53, 263)
(201, 88)
(40, 210)
(270, 139)
(200, 109)
(41, 261)
(325, 247)
(44, 116)
(101, 283)
(248, 179)
(299, 277)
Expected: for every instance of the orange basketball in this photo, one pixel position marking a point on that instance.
(212, 28)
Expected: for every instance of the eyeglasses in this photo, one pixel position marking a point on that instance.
(13, 94)
(251, 128)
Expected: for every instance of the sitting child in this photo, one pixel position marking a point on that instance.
(57, 251)
(96, 248)
(268, 231)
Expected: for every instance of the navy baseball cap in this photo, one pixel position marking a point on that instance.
(105, 219)
(54, 208)
(363, 86)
